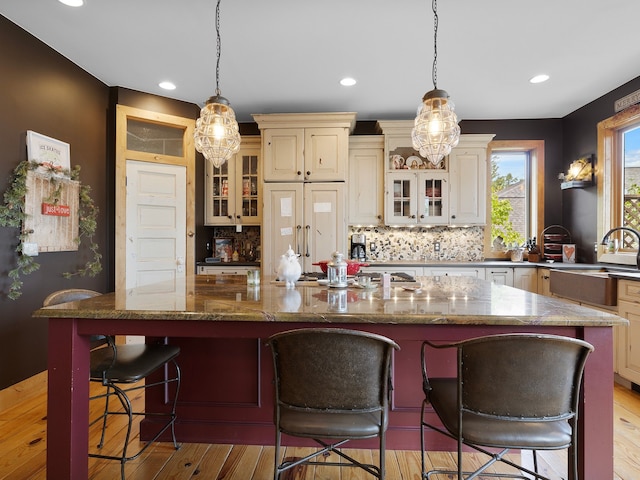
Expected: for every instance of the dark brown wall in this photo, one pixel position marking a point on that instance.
(580, 134)
(42, 91)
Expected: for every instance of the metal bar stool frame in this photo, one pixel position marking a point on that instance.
(456, 407)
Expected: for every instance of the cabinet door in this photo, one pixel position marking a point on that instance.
(401, 203)
(326, 154)
(366, 185)
(325, 226)
(544, 281)
(220, 194)
(248, 187)
(433, 198)
(500, 276)
(468, 177)
(283, 203)
(283, 154)
(526, 279)
(628, 350)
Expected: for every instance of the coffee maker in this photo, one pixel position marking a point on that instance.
(358, 247)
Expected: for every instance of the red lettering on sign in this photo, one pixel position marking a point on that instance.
(56, 210)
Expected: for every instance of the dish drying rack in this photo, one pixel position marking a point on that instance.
(552, 238)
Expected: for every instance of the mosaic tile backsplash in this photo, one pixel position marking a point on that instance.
(456, 244)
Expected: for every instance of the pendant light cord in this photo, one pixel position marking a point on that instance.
(434, 71)
(218, 49)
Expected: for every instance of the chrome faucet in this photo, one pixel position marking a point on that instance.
(605, 240)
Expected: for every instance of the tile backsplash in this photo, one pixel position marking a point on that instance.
(464, 244)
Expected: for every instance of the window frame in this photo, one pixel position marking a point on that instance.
(535, 149)
(609, 178)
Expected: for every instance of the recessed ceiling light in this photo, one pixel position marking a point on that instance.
(539, 78)
(348, 82)
(72, 3)
(167, 85)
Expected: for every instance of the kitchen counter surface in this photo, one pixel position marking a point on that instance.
(441, 300)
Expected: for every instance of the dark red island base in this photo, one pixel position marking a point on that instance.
(221, 327)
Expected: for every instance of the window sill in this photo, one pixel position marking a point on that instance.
(620, 258)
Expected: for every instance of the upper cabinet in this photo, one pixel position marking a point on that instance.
(468, 177)
(366, 180)
(233, 191)
(453, 192)
(305, 147)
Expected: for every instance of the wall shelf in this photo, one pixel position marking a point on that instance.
(576, 184)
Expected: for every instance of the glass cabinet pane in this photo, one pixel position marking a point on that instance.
(401, 198)
(220, 191)
(433, 197)
(157, 138)
(249, 185)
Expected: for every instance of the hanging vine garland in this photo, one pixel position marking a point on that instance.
(13, 214)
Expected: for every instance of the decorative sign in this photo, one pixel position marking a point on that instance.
(627, 101)
(56, 210)
(52, 154)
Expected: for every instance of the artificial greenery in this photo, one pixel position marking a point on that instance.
(12, 214)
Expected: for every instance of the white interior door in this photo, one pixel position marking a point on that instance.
(156, 224)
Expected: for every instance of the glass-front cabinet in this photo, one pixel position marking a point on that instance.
(417, 198)
(232, 192)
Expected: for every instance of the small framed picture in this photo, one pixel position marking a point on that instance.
(223, 248)
(53, 155)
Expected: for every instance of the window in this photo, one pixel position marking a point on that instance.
(618, 177)
(630, 139)
(516, 190)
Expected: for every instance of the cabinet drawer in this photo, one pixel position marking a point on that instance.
(629, 290)
(231, 270)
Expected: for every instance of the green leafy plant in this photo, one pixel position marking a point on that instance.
(12, 214)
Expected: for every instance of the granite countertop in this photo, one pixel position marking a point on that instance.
(441, 300)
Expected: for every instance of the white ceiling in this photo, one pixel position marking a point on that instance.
(288, 55)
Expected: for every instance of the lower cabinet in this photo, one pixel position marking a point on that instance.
(455, 271)
(544, 281)
(413, 271)
(526, 279)
(628, 338)
(500, 276)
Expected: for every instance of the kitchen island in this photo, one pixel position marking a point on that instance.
(221, 325)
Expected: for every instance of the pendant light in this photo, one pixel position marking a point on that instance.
(216, 134)
(436, 129)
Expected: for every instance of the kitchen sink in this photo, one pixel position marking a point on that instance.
(590, 286)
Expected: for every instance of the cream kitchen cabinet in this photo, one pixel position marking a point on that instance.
(416, 197)
(305, 147)
(366, 180)
(628, 337)
(500, 275)
(454, 192)
(310, 217)
(455, 271)
(468, 175)
(232, 192)
(413, 271)
(526, 278)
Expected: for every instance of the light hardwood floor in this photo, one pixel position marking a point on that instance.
(23, 453)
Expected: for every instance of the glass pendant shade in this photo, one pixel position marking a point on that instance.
(436, 129)
(216, 134)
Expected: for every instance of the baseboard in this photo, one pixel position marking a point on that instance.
(30, 387)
